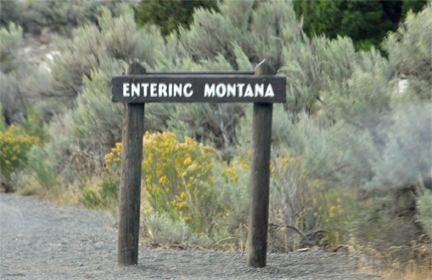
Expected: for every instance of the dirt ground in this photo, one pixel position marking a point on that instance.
(41, 240)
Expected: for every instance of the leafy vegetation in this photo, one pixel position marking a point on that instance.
(365, 22)
(179, 185)
(101, 193)
(63, 16)
(15, 143)
(10, 11)
(169, 15)
(351, 154)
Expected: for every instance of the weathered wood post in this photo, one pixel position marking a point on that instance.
(130, 185)
(260, 177)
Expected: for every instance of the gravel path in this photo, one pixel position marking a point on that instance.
(41, 240)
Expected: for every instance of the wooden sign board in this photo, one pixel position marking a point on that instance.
(198, 88)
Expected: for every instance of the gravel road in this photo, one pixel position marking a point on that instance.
(41, 240)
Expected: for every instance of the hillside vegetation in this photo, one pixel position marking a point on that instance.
(352, 147)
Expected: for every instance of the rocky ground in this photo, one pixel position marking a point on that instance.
(41, 240)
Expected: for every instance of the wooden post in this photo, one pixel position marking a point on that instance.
(130, 185)
(260, 177)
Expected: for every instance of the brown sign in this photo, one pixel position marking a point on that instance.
(198, 88)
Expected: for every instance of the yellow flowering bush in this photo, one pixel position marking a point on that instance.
(114, 158)
(14, 145)
(177, 178)
(232, 173)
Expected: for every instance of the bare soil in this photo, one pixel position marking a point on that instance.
(42, 240)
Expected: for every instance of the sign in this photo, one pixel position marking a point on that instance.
(139, 87)
(198, 88)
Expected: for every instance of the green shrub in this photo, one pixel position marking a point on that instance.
(12, 98)
(163, 230)
(409, 53)
(63, 16)
(366, 22)
(20, 79)
(424, 205)
(41, 168)
(10, 40)
(81, 80)
(169, 15)
(101, 193)
(407, 155)
(62, 151)
(33, 125)
(273, 27)
(10, 11)
(231, 185)
(39, 176)
(204, 41)
(92, 47)
(97, 121)
(305, 211)
(3, 126)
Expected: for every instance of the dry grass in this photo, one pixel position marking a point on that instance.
(411, 272)
(417, 265)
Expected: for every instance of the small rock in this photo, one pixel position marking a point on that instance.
(304, 250)
(45, 36)
(28, 50)
(44, 67)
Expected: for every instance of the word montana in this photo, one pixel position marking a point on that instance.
(240, 90)
(186, 90)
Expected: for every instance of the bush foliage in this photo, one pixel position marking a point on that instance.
(349, 148)
(169, 15)
(63, 16)
(15, 144)
(10, 11)
(178, 177)
(366, 22)
(179, 185)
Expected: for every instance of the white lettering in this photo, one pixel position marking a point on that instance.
(259, 90)
(162, 90)
(220, 90)
(144, 86)
(153, 88)
(269, 91)
(178, 90)
(249, 91)
(209, 91)
(187, 93)
(126, 90)
(231, 90)
(240, 87)
(135, 91)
